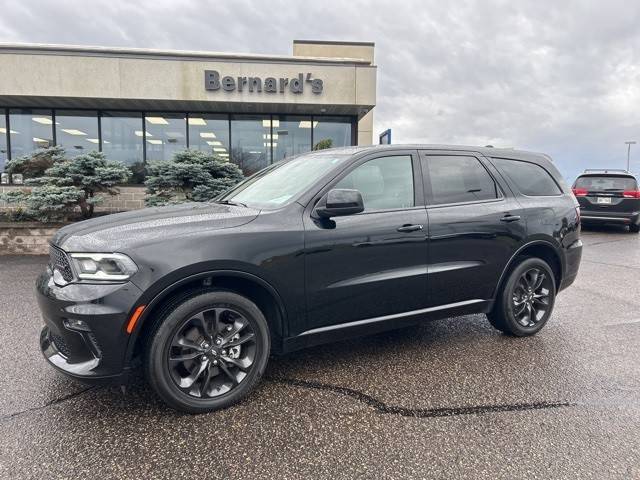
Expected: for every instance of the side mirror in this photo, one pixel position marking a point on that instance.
(339, 202)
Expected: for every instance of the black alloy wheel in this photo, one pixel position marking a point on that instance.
(530, 298)
(207, 351)
(212, 352)
(526, 299)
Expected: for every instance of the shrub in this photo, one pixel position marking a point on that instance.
(65, 183)
(191, 175)
(323, 144)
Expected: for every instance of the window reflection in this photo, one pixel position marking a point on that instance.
(291, 137)
(3, 140)
(250, 150)
(122, 140)
(30, 130)
(209, 133)
(330, 132)
(166, 135)
(77, 131)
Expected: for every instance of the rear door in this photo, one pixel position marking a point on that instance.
(607, 194)
(475, 226)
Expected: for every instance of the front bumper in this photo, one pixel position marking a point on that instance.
(96, 353)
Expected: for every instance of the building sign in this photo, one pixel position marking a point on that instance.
(213, 81)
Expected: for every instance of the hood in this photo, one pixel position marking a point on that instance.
(120, 231)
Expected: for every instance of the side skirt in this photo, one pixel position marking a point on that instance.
(369, 326)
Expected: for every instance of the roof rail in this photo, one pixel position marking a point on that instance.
(605, 170)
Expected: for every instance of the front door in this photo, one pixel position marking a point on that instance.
(373, 263)
(475, 226)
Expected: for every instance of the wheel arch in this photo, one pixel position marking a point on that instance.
(258, 290)
(537, 248)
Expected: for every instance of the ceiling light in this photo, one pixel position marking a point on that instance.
(219, 149)
(73, 131)
(4, 130)
(196, 121)
(155, 142)
(40, 140)
(157, 120)
(42, 120)
(214, 143)
(268, 135)
(207, 135)
(268, 123)
(93, 140)
(307, 124)
(254, 151)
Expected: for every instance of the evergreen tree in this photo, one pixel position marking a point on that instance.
(191, 175)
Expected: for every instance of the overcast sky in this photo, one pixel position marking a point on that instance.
(557, 77)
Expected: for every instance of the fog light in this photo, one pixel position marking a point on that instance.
(74, 324)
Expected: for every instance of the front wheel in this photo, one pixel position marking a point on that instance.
(207, 351)
(633, 228)
(526, 300)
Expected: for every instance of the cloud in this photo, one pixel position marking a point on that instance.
(557, 77)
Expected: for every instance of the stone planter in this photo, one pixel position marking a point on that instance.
(26, 238)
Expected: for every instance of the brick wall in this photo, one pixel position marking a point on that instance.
(129, 198)
(26, 238)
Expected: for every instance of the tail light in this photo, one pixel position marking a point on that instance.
(631, 194)
(579, 192)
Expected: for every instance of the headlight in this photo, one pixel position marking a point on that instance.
(103, 266)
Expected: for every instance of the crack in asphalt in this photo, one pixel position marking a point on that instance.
(384, 408)
(53, 402)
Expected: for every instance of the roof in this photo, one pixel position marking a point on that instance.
(486, 151)
(97, 51)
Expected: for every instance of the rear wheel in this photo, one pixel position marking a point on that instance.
(526, 300)
(634, 228)
(208, 351)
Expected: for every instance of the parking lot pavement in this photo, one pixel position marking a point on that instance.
(449, 399)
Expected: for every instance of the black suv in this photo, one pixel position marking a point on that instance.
(608, 196)
(324, 246)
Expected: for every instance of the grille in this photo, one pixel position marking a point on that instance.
(60, 344)
(60, 262)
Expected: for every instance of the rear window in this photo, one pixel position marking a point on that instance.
(606, 183)
(531, 179)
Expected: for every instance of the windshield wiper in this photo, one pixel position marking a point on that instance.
(229, 202)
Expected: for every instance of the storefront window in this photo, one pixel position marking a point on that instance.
(330, 132)
(4, 154)
(209, 133)
(250, 149)
(77, 131)
(166, 134)
(122, 140)
(292, 136)
(30, 130)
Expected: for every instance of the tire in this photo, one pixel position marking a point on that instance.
(634, 228)
(200, 344)
(507, 314)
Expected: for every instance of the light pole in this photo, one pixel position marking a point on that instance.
(629, 143)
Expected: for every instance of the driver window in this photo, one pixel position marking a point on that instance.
(385, 183)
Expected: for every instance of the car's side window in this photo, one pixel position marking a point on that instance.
(531, 179)
(385, 182)
(459, 179)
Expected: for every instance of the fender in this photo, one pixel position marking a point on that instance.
(517, 252)
(133, 338)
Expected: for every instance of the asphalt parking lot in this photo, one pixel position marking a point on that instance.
(449, 399)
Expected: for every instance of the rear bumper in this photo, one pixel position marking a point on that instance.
(96, 352)
(591, 217)
(573, 256)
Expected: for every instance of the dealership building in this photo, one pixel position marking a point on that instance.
(140, 105)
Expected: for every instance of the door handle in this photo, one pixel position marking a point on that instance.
(409, 228)
(510, 218)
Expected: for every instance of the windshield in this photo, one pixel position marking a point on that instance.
(281, 182)
(604, 183)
